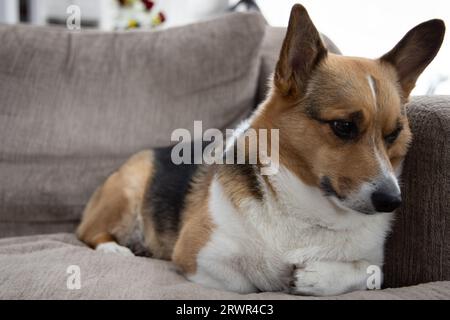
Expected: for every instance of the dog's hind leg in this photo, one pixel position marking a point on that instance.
(114, 210)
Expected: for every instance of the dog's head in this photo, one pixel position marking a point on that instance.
(343, 124)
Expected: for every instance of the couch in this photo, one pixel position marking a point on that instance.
(75, 105)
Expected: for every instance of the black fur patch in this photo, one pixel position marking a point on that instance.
(248, 172)
(170, 184)
(167, 191)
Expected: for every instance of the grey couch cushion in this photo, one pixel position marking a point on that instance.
(73, 104)
(35, 268)
(48, 194)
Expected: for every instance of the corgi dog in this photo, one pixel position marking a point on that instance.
(317, 225)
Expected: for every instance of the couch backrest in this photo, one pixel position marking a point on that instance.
(94, 93)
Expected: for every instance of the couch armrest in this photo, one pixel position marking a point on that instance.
(418, 249)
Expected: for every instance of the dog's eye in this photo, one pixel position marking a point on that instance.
(390, 139)
(344, 129)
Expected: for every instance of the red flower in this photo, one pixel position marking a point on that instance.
(161, 17)
(148, 4)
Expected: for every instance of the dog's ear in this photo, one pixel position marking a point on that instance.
(302, 50)
(414, 53)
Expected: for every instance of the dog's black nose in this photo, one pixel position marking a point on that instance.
(386, 202)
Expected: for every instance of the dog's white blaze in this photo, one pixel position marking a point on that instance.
(362, 198)
(372, 88)
(385, 171)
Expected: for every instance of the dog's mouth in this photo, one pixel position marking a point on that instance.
(328, 190)
(341, 201)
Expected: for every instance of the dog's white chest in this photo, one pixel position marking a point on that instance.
(258, 244)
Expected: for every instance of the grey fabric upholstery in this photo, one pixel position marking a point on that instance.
(418, 249)
(48, 194)
(105, 93)
(35, 268)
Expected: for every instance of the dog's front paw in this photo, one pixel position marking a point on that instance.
(319, 278)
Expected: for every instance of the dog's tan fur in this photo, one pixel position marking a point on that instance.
(197, 225)
(338, 79)
(114, 206)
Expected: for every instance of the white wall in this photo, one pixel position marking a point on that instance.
(181, 12)
(371, 28)
(9, 11)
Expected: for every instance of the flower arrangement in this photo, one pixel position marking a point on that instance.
(134, 14)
